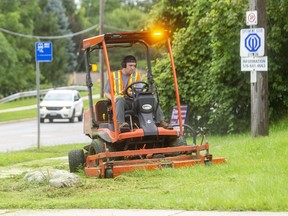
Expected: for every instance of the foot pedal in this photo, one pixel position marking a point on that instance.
(124, 129)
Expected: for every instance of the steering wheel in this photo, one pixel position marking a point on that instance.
(132, 89)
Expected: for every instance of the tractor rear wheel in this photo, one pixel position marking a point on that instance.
(188, 132)
(76, 159)
(96, 147)
(180, 141)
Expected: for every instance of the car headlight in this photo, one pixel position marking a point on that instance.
(68, 107)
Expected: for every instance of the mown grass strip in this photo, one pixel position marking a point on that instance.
(253, 179)
(18, 115)
(18, 103)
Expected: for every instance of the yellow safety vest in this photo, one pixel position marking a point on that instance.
(118, 81)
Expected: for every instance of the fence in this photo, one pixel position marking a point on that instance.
(34, 93)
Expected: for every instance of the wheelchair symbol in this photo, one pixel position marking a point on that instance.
(40, 48)
(252, 42)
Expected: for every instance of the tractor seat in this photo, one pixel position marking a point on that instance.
(129, 114)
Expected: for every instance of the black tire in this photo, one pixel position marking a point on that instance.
(80, 118)
(177, 142)
(96, 147)
(112, 148)
(188, 132)
(109, 173)
(71, 120)
(180, 141)
(42, 120)
(76, 160)
(50, 120)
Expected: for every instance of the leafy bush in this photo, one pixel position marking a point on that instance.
(206, 54)
(207, 59)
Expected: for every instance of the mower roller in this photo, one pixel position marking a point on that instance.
(146, 145)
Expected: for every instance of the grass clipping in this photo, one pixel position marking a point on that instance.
(254, 179)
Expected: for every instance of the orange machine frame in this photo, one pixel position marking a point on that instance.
(98, 164)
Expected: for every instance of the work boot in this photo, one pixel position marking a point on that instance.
(165, 125)
(124, 127)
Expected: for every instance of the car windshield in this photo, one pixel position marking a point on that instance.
(58, 96)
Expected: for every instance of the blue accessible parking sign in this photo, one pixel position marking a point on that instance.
(43, 51)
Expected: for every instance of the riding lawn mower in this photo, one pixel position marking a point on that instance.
(146, 145)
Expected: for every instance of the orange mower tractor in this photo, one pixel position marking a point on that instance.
(146, 145)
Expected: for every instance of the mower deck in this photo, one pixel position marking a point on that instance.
(101, 165)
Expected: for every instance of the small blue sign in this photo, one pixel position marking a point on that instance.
(43, 51)
(252, 42)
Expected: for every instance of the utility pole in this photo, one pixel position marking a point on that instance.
(259, 89)
(101, 59)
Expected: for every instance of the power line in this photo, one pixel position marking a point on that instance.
(60, 36)
(49, 37)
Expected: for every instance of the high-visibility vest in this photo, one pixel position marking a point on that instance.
(118, 81)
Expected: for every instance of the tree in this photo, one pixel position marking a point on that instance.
(17, 72)
(64, 58)
(55, 18)
(206, 52)
(8, 58)
(277, 39)
(120, 15)
(169, 14)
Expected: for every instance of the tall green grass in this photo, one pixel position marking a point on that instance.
(18, 115)
(18, 103)
(253, 179)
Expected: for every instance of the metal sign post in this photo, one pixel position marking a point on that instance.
(38, 103)
(43, 53)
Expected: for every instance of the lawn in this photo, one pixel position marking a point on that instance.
(253, 179)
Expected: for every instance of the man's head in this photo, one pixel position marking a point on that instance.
(129, 64)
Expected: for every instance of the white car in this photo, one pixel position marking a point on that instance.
(61, 104)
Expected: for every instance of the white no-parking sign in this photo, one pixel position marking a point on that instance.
(251, 18)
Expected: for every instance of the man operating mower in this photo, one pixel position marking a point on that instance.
(123, 78)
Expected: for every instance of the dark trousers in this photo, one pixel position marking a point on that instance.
(124, 103)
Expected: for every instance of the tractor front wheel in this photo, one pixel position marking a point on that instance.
(108, 173)
(76, 159)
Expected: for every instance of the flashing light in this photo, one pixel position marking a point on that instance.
(93, 68)
(157, 33)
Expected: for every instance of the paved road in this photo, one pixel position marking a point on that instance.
(18, 135)
(133, 212)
